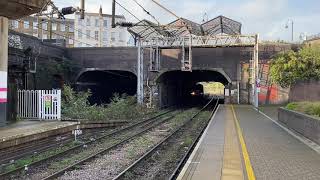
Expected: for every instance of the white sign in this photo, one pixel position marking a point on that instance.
(76, 133)
(226, 92)
(3, 79)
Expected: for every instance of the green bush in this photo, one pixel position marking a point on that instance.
(289, 67)
(75, 105)
(310, 108)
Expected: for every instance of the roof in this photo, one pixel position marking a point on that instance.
(184, 27)
(221, 25)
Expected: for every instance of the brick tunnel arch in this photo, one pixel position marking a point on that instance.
(175, 87)
(103, 84)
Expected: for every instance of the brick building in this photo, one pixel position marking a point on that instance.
(40, 27)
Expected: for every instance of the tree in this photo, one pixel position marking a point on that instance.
(289, 67)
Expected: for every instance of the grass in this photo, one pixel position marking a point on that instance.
(310, 108)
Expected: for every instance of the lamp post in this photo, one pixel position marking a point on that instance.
(287, 26)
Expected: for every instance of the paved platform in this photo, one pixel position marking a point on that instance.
(242, 143)
(25, 131)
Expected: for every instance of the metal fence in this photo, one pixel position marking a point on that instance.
(39, 104)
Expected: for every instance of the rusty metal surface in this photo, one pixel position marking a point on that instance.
(14, 9)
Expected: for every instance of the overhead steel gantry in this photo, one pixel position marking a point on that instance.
(185, 35)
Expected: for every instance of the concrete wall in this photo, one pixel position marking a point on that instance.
(305, 91)
(306, 125)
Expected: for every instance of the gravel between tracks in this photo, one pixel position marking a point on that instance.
(109, 165)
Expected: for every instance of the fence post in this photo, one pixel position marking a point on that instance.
(59, 104)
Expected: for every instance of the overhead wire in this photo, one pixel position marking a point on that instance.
(69, 27)
(78, 30)
(153, 17)
(166, 9)
(67, 37)
(128, 11)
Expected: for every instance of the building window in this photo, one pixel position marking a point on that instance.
(26, 24)
(80, 34)
(97, 22)
(15, 24)
(70, 40)
(121, 36)
(105, 36)
(71, 28)
(79, 21)
(62, 27)
(54, 26)
(105, 23)
(113, 36)
(96, 35)
(44, 26)
(88, 34)
(35, 25)
(88, 22)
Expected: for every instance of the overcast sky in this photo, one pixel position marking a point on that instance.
(266, 17)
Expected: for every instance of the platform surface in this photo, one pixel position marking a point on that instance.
(26, 128)
(272, 153)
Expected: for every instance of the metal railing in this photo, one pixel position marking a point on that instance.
(39, 104)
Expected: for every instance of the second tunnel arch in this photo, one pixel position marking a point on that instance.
(104, 83)
(174, 86)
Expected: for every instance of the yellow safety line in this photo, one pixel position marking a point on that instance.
(245, 154)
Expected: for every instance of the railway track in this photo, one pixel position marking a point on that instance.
(140, 166)
(20, 172)
(16, 152)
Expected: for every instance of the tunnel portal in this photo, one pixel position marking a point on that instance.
(104, 84)
(184, 88)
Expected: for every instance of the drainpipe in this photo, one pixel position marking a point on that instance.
(3, 69)
(150, 95)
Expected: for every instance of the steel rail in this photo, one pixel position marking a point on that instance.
(42, 145)
(86, 143)
(147, 154)
(62, 171)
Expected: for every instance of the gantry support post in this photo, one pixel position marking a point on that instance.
(140, 92)
(3, 69)
(256, 72)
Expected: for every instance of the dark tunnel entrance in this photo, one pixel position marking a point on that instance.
(179, 88)
(104, 84)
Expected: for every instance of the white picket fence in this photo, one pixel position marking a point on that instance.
(39, 104)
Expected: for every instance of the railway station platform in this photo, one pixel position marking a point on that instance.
(26, 131)
(241, 142)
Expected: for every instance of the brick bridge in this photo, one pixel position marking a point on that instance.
(114, 70)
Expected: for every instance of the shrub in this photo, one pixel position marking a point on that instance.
(75, 105)
(289, 67)
(310, 108)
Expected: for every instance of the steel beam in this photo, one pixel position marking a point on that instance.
(140, 91)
